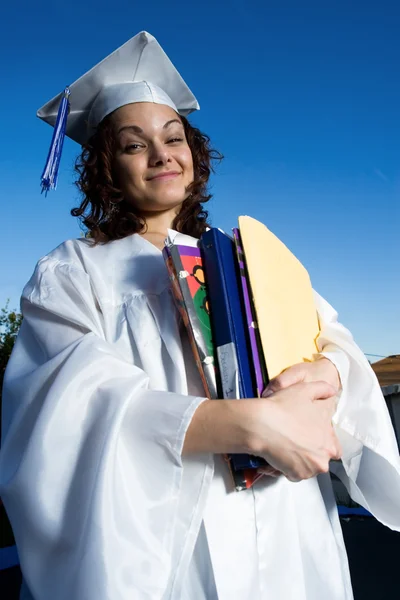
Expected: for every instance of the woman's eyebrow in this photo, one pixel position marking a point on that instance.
(168, 123)
(134, 128)
(138, 129)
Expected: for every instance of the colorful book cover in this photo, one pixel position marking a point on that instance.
(184, 264)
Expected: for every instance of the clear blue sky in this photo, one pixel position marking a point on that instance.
(302, 97)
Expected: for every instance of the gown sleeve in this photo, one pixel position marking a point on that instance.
(370, 465)
(91, 472)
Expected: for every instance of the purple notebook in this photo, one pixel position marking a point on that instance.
(260, 370)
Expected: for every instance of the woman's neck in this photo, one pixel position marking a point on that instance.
(157, 225)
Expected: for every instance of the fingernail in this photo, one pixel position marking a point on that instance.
(267, 392)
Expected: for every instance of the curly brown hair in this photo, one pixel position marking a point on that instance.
(103, 211)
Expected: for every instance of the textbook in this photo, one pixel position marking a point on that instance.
(185, 268)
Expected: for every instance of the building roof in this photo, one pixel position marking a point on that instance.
(387, 370)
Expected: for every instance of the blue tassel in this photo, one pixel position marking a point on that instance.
(50, 172)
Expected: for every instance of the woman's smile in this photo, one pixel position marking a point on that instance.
(165, 176)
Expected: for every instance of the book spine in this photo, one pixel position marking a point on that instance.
(260, 371)
(221, 319)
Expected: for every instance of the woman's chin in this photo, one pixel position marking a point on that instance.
(168, 201)
(162, 205)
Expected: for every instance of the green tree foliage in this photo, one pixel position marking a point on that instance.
(10, 322)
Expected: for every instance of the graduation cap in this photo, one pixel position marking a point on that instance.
(138, 71)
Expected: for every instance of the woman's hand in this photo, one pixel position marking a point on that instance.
(320, 370)
(292, 429)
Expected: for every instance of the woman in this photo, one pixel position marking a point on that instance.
(110, 466)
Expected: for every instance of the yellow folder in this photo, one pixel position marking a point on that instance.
(283, 298)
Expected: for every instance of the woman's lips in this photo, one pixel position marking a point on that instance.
(165, 176)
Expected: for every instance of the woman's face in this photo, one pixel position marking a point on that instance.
(153, 161)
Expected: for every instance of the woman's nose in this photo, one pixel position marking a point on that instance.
(159, 155)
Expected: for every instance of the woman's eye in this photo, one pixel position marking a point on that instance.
(175, 140)
(133, 147)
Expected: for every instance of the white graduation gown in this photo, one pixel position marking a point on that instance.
(95, 410)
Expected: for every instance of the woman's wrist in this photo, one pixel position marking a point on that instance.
(220, 427)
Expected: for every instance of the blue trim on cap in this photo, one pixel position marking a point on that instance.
(50, 172)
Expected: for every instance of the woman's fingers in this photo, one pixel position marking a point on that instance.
(287, 378)
(318, 370)
(269, 471)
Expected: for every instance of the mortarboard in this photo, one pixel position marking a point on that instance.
(138, 71)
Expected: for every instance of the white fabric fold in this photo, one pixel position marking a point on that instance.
(370, 466)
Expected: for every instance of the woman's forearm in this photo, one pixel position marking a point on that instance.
(218, 426)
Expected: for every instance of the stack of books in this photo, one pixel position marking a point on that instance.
(248, 307)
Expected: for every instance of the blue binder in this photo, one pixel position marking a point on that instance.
(227, 314)
(227, 319)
